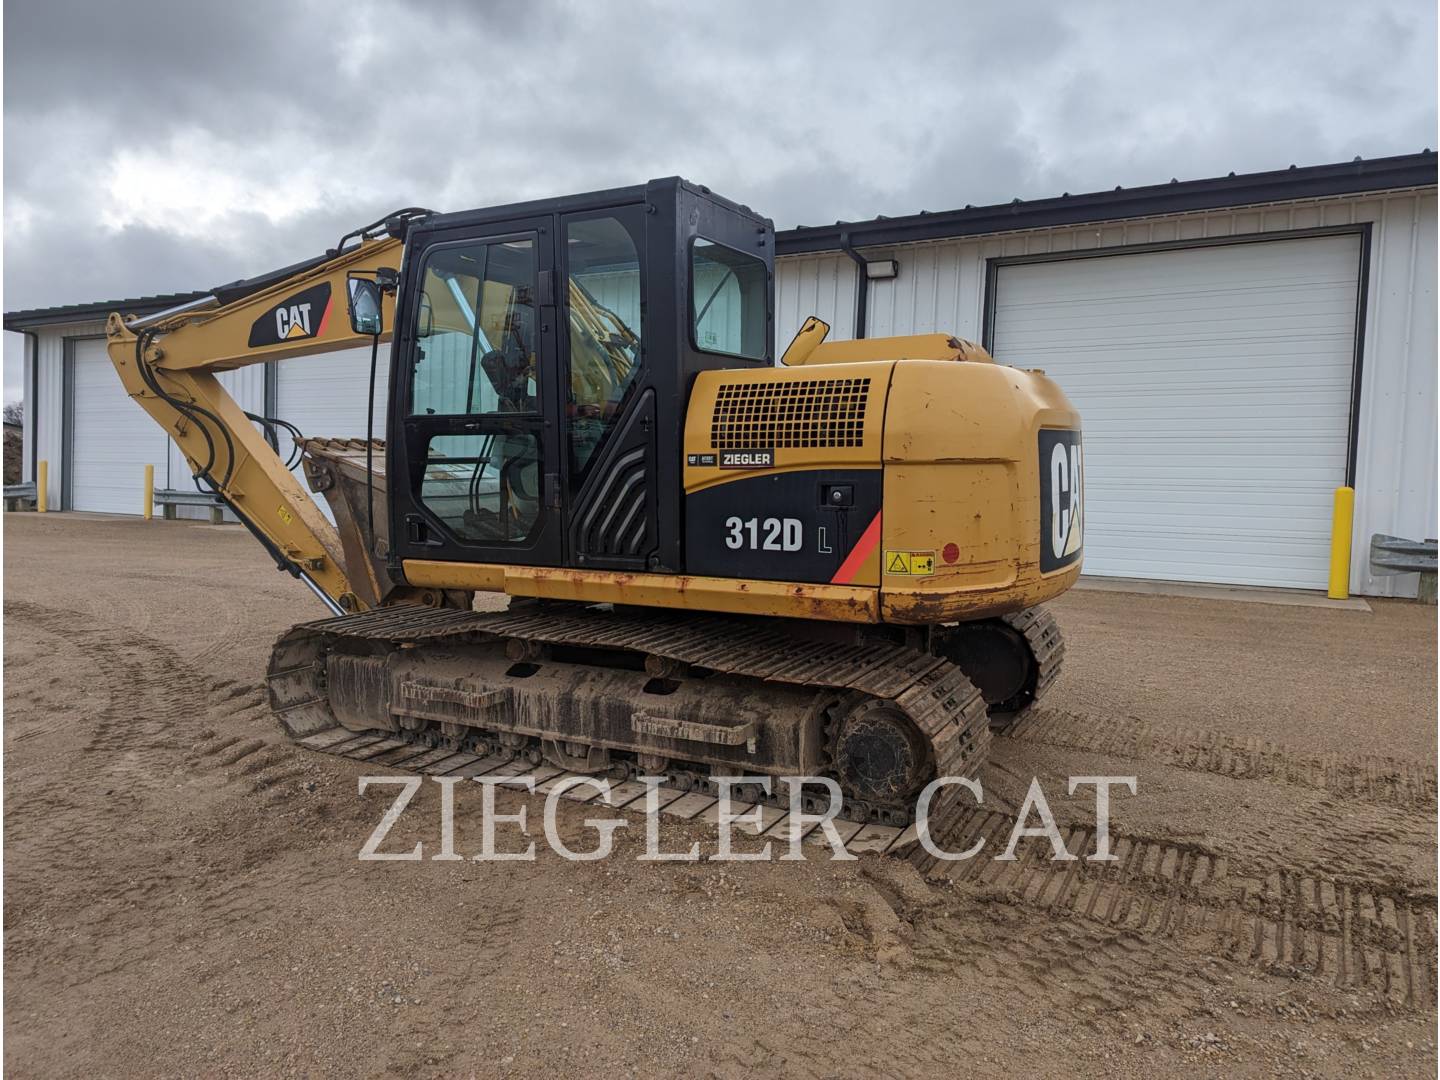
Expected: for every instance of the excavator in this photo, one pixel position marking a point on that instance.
(715, 565)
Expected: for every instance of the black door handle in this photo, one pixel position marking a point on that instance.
(417, 530)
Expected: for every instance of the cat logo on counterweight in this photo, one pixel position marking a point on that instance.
(1062, 499)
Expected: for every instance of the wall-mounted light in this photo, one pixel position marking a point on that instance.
(880, 269)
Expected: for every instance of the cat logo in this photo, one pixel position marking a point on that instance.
(1062, 501)
(293, 321)
(304, 315)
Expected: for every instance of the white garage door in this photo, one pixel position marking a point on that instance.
(112, 438)
(1214, 386)
(328, 395)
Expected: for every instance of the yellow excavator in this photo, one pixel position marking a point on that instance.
(716, 565)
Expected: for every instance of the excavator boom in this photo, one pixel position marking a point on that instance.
(169, 364)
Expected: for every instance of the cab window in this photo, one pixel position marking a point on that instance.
(475, 330)
(606, 324)
(728, 294)
(486, 488)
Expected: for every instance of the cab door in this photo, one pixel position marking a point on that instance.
(475, 458)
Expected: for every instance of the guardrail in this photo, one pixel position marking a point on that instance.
(16, 494)
(1396, 555)
(169, 498)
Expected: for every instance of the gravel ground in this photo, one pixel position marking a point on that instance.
(183, 897)
(1330, 680)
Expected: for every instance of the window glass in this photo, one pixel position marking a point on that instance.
(475, 333)
(728, 296)
(605, 330)
(485, 487)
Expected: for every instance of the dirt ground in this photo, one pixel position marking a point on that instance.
(183, 897)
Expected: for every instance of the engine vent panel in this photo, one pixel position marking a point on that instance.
(799, 414)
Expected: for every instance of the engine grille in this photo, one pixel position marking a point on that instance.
(794, 415)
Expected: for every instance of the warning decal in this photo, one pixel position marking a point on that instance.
(914, 563)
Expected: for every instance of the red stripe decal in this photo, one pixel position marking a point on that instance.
(858, 554)
(325, 319)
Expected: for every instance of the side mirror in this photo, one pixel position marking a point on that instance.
(365, 313)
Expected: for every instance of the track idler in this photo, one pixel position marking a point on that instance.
(1012, 660)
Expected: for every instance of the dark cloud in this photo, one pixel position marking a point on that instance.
(162, 146)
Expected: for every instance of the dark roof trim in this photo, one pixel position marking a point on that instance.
(99, 309)
(1283, 185)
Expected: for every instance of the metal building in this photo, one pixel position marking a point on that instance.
(1238, 347)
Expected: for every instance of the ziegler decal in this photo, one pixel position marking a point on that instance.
(1062, 499)
(303, 315)
(747, 459)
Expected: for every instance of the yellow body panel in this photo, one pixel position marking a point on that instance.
(962, 468)
(834, 603)
(906, 347)
(809, 348)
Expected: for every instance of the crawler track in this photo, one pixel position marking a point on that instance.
(933, 693)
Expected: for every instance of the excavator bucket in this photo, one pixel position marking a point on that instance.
(352, 481)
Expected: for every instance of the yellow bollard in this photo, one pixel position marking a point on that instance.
(1340, 529)
(42, 485)
(149, 492)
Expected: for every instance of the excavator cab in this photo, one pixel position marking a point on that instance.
(541, 359)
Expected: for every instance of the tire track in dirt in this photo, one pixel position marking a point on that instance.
(151, 704)
(1353, 932)
(1366, 777)
(227, 614)
(1075, 965)
(150, 689)
(127, 742)
(36, 702)
(263, 766)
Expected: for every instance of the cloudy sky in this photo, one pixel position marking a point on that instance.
(158, 146)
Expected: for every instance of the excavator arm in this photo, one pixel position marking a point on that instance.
(169, 364)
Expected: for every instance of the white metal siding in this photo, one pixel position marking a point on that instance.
(820, 285)
(328, 396)
(45, 416)
(941, 286)
(1214, 383)
(1395, 480)
(247, 386)
(113, 438)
